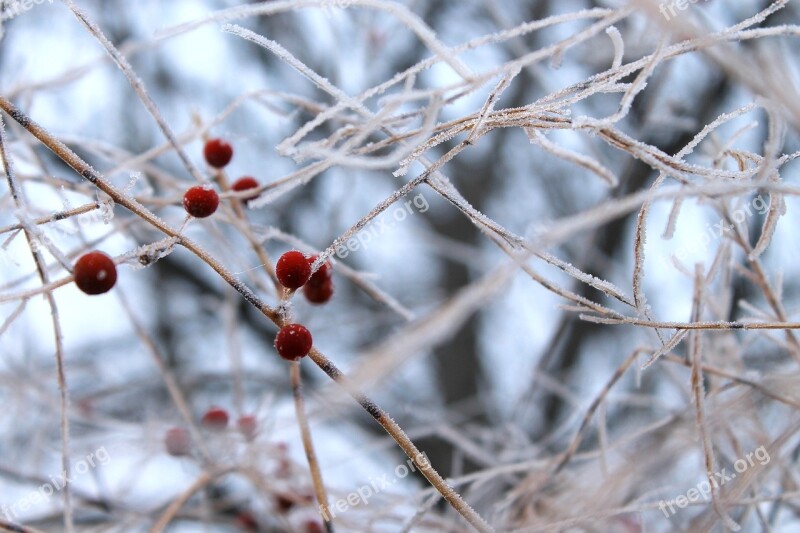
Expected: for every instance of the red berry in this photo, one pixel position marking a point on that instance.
(201, 201)
(318, 293)
(245, 520)
(284, 502)
(95, 273)
(292, 269)
(245, 183)
(293, 342)
(177, 442)
(323, 274)
(312, 526)
(216, 419)
(248, 426)
(218, 152)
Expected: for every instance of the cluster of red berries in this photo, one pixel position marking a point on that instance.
(178, 442)
(201, 201)
(293, 270)
(216, 419)
(96, 273)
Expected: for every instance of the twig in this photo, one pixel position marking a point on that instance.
(399, 436)
(308, 446)
(19, 201)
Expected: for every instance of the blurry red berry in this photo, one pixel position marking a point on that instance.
(177, 442)
(284, 502)
(95, 273)
(323, 274)
(248, 426)
(312, 526)
(293, 342)
(319, 293)
(292, 269)
(201, 201)
(245, 183)
(218, 152)
(245, 520)
(216, 419)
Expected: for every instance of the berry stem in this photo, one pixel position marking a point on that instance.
(308, 445)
